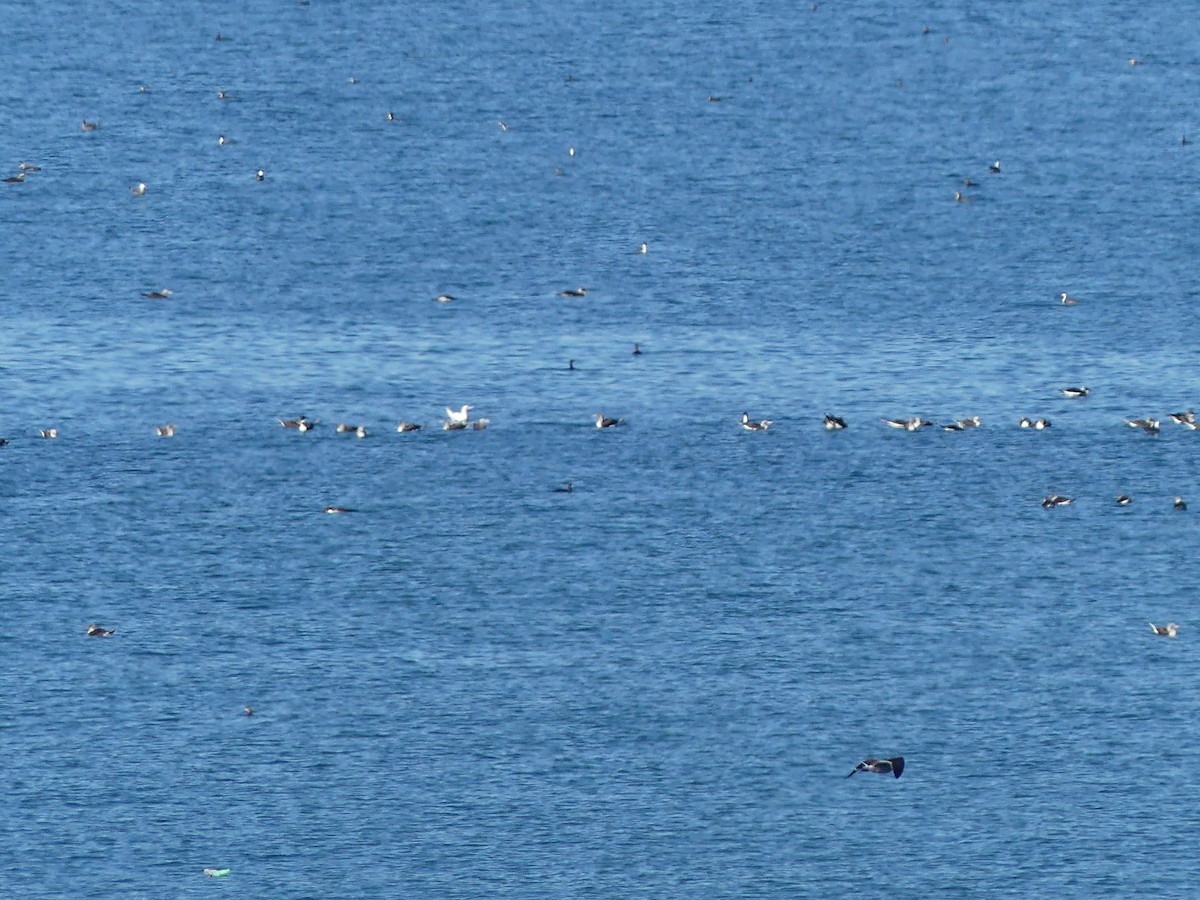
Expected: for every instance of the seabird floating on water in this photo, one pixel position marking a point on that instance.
(459, 417)
(567, 487)
(755, 425)
(893, 766)
(165, 430)
(834, 423)
(1179, 504)
(960, 197)
(1056, 500)
(391, 116)
(637, 350)
(26, 167)
(49, 432)
(163, 294)
(994, 168)
(1036, 424)
(1187, 417)
(1148, 425)
(300, 423)
(1074, 392)
(1124, 500)
(1171, 629)
(450, 425)
(248, 710)
(338, 509)
(343, 428)
(259, 175)
(573, 292)
(15, 179)
(603, 421)
(1067, 300)
(405, 427)
(138, 189)
(910, 424)
(643, 248)
(97, 631)
(481, 424)
(85, 125)
(445, 298)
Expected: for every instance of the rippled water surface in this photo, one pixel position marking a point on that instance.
(652, 686)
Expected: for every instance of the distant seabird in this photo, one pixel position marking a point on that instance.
(338, 509)
(953, 426)
(1183, 418)
(637, 350)
(1037, 424)
(351, 80)
(893, 766)
(603, 421)
(343, 428)
(1171, 629)
(85, 125)
(834, 423)
(222, 140)
(643, 248)
(49, 432)
(1179, 504)
(1056, 500)
(460, 416)
(306, 425)
(450, 425)
(445, 298)
(259, 175)
(1066, 300)
(248, 710)
(301, 423)
(225, 95)
(1124, 500)
(26, 167)
(755, 424)
(481, 424)
(1148, 425)
(570, 365)
(712, 98)
(138, 189)
(573, 292)
(960, 197)
(503, 126)
(1074, 392)
(3, 442)
(163, 294)
(910, 424)
(15, 179)
(97, 631)
(972, 422)
(567, 487)
(405, 427)
(994, 168)
(165, 430)
(571, 152)
(391, 116)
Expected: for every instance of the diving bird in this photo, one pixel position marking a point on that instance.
(893, 766)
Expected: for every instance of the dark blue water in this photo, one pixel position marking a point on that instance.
(653, 686)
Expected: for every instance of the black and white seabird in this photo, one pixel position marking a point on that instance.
(332, 510)
(960, 197)
(1148, 425)
(97, 631)
(27, 167)
(451, 425)
(405, 427)
(1179, 504)
(481, 424)
(834, 423)
(163, 294)
(603, 421)
(301, 423)
(139, 189)
(994, 168)
(259, 175)
(1187, 417)
(1056, 500)
(755, 424)
(910, 424)
(1124, 500)
(15, 179)
(573, 292)
(1036, 424)
(893, 766)
(48, 432)
(1171, 629)
(1067, 300)
(445, 298)
(343, 428)
(1074, 392)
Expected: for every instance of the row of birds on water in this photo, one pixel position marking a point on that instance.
(1053, 501)
(459, 420)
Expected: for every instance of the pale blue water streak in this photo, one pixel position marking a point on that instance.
(653, 686)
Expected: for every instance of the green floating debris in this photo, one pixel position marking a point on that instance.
(217, 873)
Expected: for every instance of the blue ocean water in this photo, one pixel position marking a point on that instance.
(654, 685)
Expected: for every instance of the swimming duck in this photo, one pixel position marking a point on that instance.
(97, 631)
(893, 766)
(603, 421)
(1056, 500)
(1171, 629)
(834, 423)
(755, 425)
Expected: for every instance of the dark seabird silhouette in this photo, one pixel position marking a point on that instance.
(994, 168)
(163, 294)
(834, 423)
(1168, 630)
(405, 427)
(573, 292)
(1056, 500)
(248, 710)
(603, 421)
(567, 487)
(391, 116)
(1187, 417)
(3, 442)
(1148, 425)
(637, 350)
(1124, 500)
(755, 424)
(260, 175)
(911, 424)
(451, 425)
(570, 365)
(15, 179)
(343, 428)
(1074, 392)
(97, 631)
(338, 509)
(893, 766)
(1179, 504)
